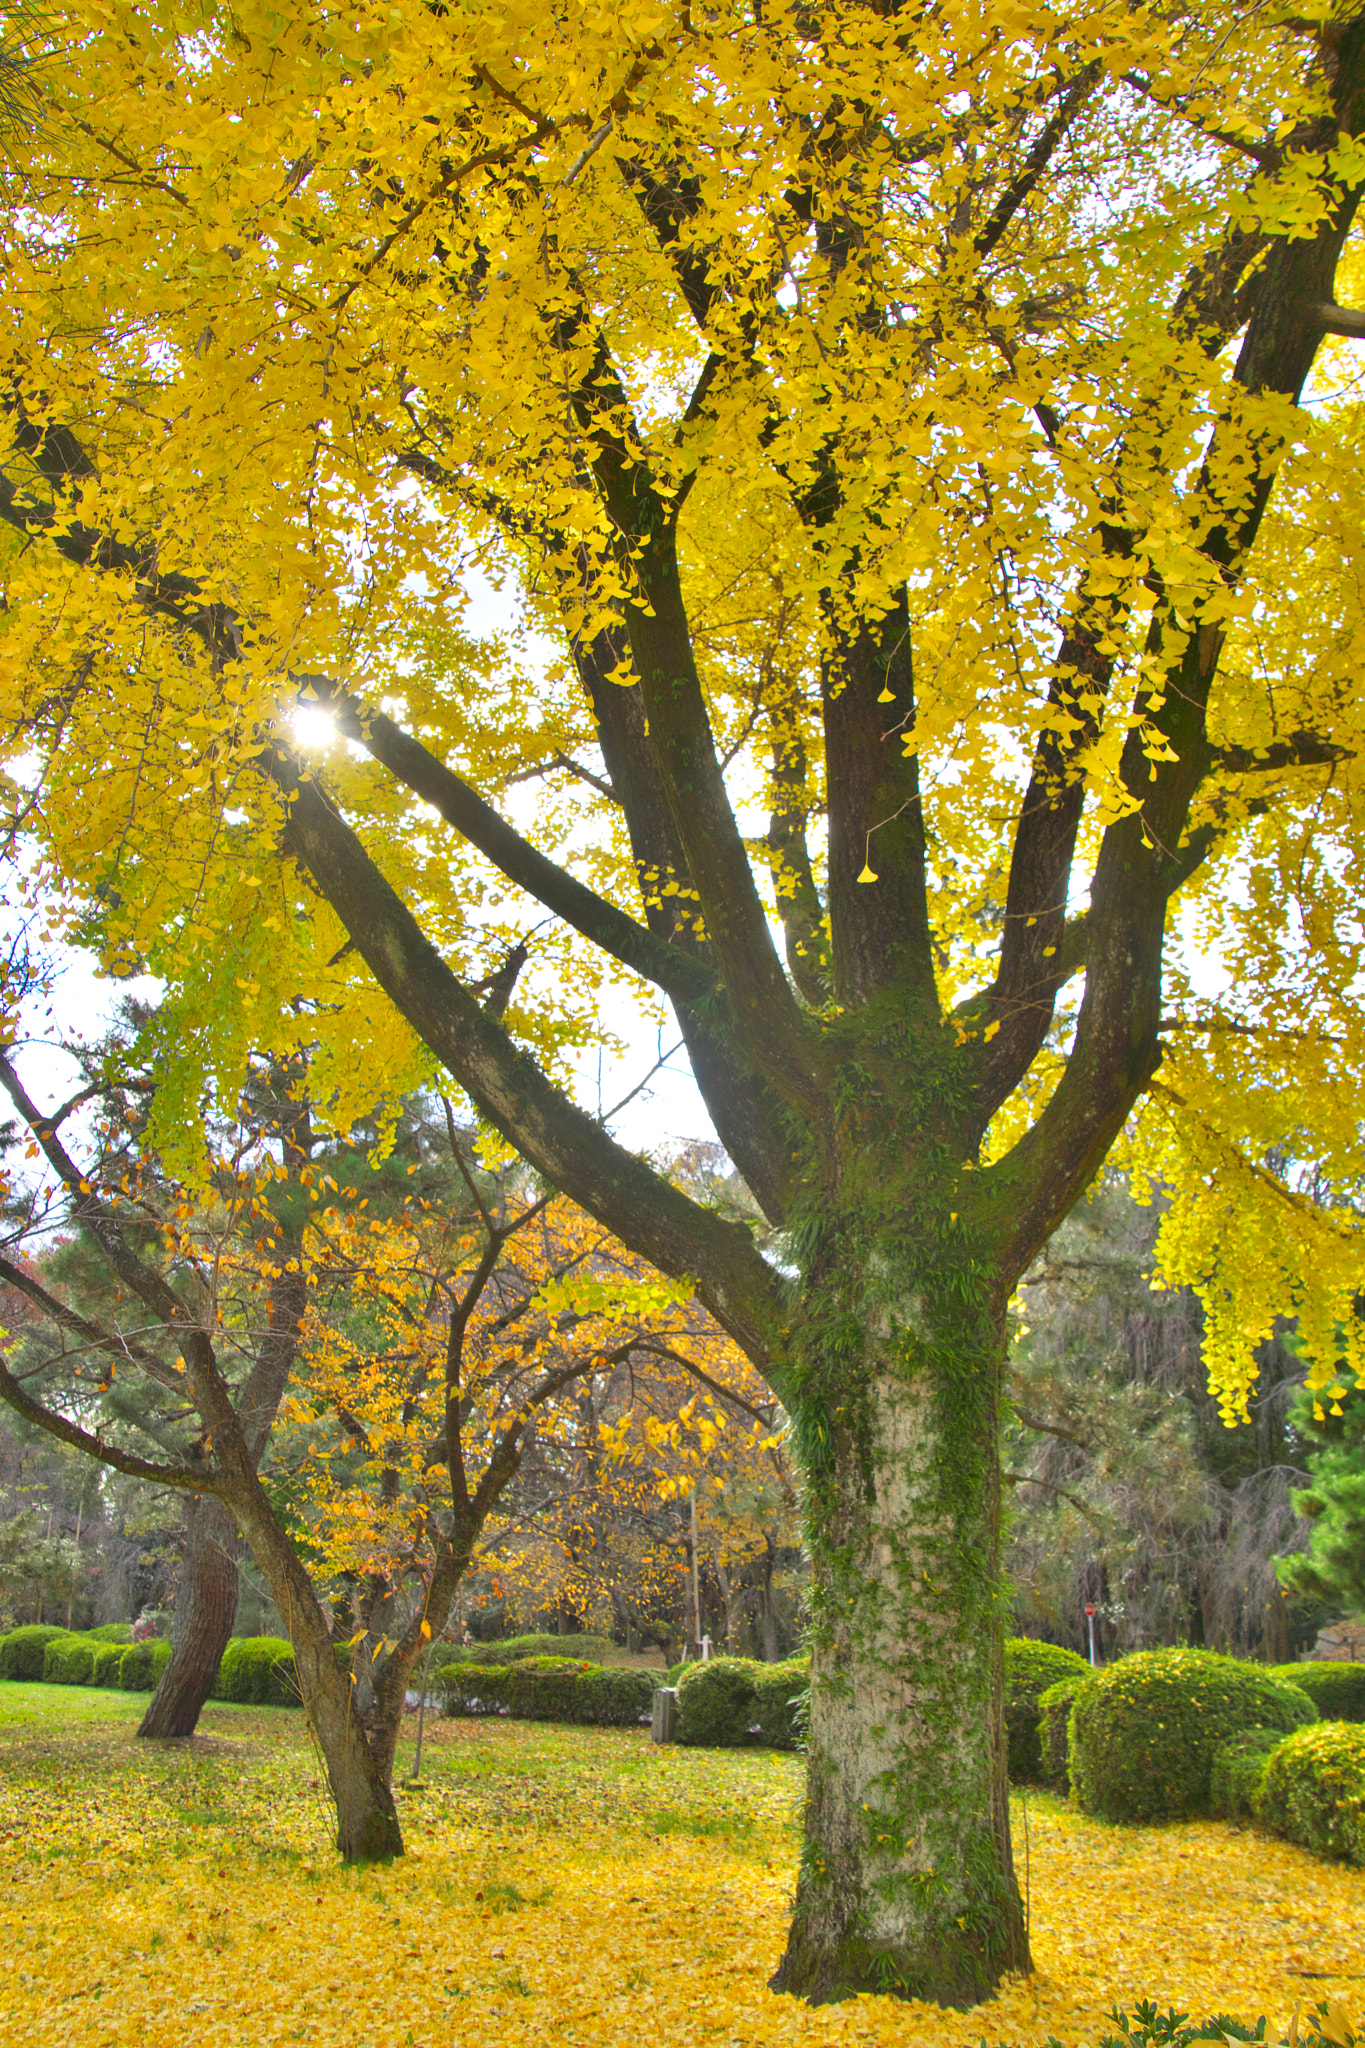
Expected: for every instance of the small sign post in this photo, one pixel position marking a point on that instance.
(1090, 1619)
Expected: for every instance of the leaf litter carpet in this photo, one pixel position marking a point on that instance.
(562, 1884)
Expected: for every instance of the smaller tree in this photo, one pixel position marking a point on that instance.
(1332, 1426)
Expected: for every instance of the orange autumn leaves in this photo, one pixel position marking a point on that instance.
(420, 1331)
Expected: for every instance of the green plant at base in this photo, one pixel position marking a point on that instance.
(1336, 1690)
(1054, 1729)
(1313, 1790)
(1144, 1733)
(23, 1649)
(1030, 1669)
(1238, 1768)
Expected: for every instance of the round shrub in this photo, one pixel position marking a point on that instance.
(111, 1632)
(69, 1660)
(781, 1697)
(716, 1704)
(1238, 1767)
(1054, 1729)
(23, 1649)
(141, 1665)
(1313, 1790)
(1336, 1690)
(1030, 1668)
(108, 1660)
(1143, 1735)
(258, 1671)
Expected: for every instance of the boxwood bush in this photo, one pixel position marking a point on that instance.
(69, 1660)
(111, 1632)
(613, 1696)
(1054, 1729)
(1144, 1733)
(1313, 1790)
(717, 1705)
(141, 1665)
(549, 1689)
(1336, 1690)
(582, 1649)
(23, 1649)
(1030, 1668)
(108, 1659)
(781, 1700)
(474, 1688)
(258, 1671)
(1238, 1768)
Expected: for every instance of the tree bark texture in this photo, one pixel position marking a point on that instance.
(907, 1881)
(206, 1605)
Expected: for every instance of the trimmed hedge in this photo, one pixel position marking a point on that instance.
(717, 1704)
(1336, 1690)
(474, 1688)
(69, 1660)
(1030, 1668)
(1238, 1768)
(1054, 1730)
(1144, 1733)
(493, 1656)
(141, 1665)
(23, 1649)
(111, 1632)
(1313, 1790)
(782, 1701)
(108, 1658)
(258, 1671)
(549, 1689)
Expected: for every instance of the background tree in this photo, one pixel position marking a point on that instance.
(1128, 1491)
(882, 412)
(661, 1505)
(1331, 1425)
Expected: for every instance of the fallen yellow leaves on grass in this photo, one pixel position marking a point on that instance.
(571, 1885)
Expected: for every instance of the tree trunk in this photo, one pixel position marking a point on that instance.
(367, 1820)
(907, 1880)
(766, 1615)
(204, 1612)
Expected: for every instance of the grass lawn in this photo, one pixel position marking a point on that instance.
(571, 1885)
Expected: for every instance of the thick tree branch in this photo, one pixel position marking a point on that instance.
(681, 976)
(569, 1147)
(188, 1479)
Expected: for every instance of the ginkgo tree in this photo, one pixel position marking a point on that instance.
(890, 421)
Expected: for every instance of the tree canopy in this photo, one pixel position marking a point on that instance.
(932, 617)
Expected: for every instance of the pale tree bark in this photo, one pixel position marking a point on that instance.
(906, 1881)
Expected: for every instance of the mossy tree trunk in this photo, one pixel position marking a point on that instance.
(906, 1881)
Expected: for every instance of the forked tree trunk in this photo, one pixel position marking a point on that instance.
(367, 1820)
(205, 1608)
(907, 1881)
